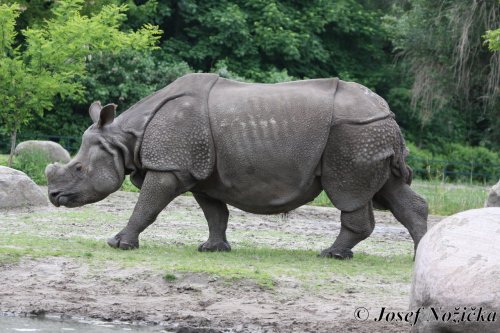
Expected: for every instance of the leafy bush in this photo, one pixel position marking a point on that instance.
(32, 162)
(456, 163)
(423, 163)
(476, 163)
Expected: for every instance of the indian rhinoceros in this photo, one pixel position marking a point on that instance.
(263, 148)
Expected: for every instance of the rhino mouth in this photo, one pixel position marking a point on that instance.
(62, 199)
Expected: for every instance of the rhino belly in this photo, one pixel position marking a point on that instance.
(269, 140)
(260, 196)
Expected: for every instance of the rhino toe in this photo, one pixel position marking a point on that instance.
(210, 246)
(120, 242)
(114, 242)
(337, 253)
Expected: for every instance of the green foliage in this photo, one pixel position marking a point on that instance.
(424, 164)
(53, 56)
(33, 163)
(493, 39)
(4, 159)
(455, 75)
(129, 76)
(122, 78)
(427, 58)
(257, 39)
(454, 162)
(8, 16)
(478, 163)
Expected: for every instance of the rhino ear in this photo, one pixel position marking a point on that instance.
(107, 115)
(95, 111)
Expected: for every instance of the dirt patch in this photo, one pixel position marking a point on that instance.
(71, 287)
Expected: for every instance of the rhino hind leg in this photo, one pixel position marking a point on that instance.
(217, 215)
(408, 207)
(355, 227)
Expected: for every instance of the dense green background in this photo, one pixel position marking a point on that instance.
(427, 58)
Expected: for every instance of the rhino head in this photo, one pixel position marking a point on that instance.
(96, 171)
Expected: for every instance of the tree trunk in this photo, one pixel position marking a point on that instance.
(13, 136)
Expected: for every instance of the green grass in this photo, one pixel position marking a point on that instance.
(443, 198)
(128, 186)
(4, 159)
(263, 265)
(169, 277)
(448, 199)
(32, 163)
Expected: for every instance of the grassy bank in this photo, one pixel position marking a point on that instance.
(263, 265)
(170, 246)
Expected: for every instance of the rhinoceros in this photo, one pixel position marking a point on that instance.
(263, 148)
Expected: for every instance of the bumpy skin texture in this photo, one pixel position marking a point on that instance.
(262, 148)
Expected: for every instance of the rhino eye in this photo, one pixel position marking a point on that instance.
(79, 167)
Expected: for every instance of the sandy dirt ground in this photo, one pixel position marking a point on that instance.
(194, 302)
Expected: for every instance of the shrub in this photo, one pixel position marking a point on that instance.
(476, 163)
(169, 277)
(457, 163)
(423, 163)
(32, 162)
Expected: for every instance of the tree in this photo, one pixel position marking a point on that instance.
(52, 59)
(262, 40)
(456, 77)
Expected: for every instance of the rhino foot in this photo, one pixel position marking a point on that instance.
(214, 246)
(121, 241)
(336, 253)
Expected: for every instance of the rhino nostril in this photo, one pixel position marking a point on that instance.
(54, 194)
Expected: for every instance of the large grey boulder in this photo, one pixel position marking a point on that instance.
(494, 196)
(457, 267)
(18, 190)
(54, 151)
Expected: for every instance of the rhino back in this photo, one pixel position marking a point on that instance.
(269, 138)
(356, 104)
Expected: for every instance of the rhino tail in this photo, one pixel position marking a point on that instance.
(399, 167)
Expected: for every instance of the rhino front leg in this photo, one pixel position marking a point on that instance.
(158, 189)
(354, 227)
(217, 215)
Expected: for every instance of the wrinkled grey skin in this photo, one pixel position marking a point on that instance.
(265, 149)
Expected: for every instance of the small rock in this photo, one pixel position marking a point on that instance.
(54, 151)
(494, 196)
(190, 287)
(18, 190)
